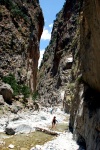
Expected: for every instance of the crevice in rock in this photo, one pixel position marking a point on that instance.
(1, 17)
(81, 142)
(15, 23)
(92, 98)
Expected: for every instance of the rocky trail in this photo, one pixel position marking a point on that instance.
(28, 121)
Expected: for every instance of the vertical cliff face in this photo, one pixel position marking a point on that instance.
(70, 69)
(21, 25)
(90, 39)
(85, 111)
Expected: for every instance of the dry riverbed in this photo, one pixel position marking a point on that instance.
(38, 140)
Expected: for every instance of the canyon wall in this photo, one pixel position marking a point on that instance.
(85, 112)
(21, 26)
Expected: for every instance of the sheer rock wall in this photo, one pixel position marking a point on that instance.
(85, 112)
(21, 26)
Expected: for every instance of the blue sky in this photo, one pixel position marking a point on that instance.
(50, 8)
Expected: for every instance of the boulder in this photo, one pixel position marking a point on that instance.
(14, 109)
(9, 131)
(23, 128)
(6, 91)
(43, 118)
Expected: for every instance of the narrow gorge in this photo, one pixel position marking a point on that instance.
(68, 77)
(69, 72)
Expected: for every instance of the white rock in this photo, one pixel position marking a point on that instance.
(38, 146)
(11, 146)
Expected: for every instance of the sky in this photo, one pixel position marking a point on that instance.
(49, 8)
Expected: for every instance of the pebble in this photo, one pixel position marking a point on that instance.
(11, 146)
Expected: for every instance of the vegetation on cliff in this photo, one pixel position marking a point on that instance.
(17, 87)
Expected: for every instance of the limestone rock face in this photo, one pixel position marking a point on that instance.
(85, 109)
(84, 118)
(21, 25)
(90, 43)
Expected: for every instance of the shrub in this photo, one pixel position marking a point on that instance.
(35, 95)
(25, 91)
(17, 88)
(16, 11)
(10, 79)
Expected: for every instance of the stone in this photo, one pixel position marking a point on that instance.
(14, 109)
(23, 128)
(11, 146)
(6, 91)
(9, 131)
(43, 118)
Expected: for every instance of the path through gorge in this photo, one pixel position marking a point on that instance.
(23, 126)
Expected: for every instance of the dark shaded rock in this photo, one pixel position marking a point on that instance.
(9, 131)
(7, 92)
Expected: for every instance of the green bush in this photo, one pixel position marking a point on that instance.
(10, 79)
(16, 12)
(14, 8)
(25, 91)
(17, 88)
(35, 95)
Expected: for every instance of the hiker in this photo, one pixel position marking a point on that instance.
(54, 121)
